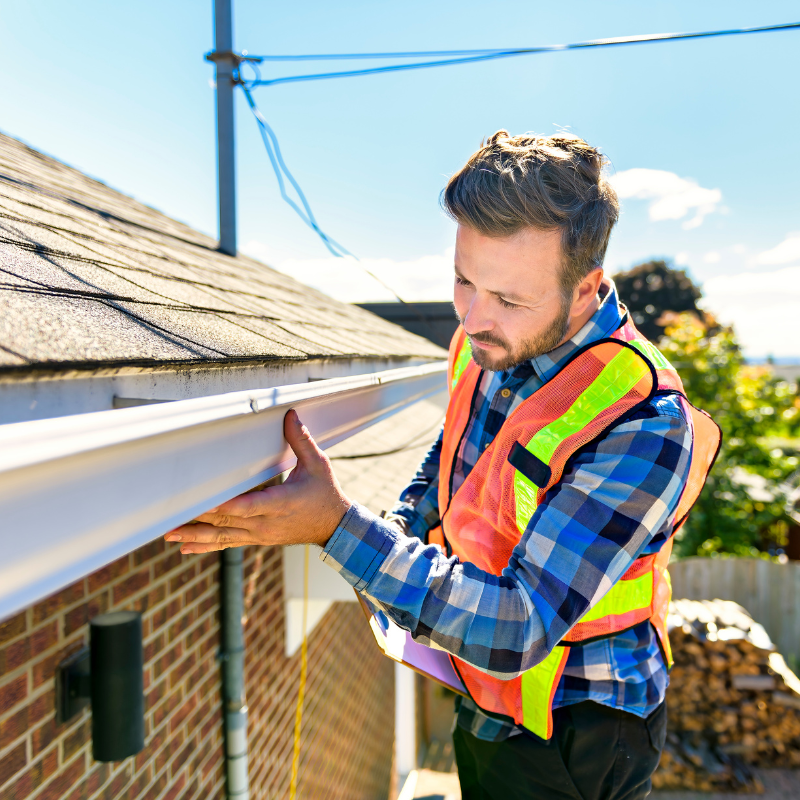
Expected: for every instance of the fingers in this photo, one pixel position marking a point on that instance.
(204, 538)
(302, 443)
(233, 512)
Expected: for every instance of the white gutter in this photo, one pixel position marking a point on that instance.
(78, 492)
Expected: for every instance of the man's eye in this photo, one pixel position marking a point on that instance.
(462, 281)
(506, 304)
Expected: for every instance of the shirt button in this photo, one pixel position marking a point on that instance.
(486, 445)
(505, 393)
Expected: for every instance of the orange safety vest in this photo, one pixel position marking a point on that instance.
(485, 519)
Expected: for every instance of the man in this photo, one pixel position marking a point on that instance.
(532, 544)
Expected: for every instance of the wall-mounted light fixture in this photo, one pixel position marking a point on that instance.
(109, 675)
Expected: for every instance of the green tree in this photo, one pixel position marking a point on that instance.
(750, 405)
(650, 289)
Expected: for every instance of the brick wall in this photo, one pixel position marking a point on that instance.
(182, 758)
(348, 724)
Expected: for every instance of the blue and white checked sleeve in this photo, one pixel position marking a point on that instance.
(616, 500)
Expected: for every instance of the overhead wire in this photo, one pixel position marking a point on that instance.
(451, 58)
(455, 57)
(280, 169)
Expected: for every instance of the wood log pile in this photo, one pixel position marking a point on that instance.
(732, 702)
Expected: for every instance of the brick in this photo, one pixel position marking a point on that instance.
(80, 615)
(58, 602)
(167, 660)
(170, 745)
(211, 764)
(181, 757)
(13, 727)
(35, 776)
(176, 719)
(118, 783)
(155, 694)
(91, 784)
(13, 627)
(13, 692)
(197, 589)
(215, 720)
(181, 624)
(175, 789)
(14, 655)
(44, 638)
(149, 551)
(171, 561)
(44, 736)
(166, 708)
(102, 577)
(131, 585)
(43, 705)
(183, 577)
(64, 781)
(45, 669)
(12, 762)
(136, 786)
(74, 741)
(154, 647)
(156, 787)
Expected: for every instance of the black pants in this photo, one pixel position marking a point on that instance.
(596, 753)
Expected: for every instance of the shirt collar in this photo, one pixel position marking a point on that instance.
(602, 324)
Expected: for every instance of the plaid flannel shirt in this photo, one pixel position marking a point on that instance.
(615, 501)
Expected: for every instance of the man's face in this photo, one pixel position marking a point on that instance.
(507, 295)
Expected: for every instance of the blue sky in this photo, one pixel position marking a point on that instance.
(701, 135)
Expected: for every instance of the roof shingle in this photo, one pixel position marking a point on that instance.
(90, 277)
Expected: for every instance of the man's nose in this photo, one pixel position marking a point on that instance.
(478, 318)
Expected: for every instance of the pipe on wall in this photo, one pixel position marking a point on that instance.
(232, 658)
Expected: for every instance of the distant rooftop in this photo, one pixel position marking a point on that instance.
(90, 278)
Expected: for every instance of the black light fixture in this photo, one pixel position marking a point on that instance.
(109, 675)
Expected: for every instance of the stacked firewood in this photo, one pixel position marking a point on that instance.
(732, 701)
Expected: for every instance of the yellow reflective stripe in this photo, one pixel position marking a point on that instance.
(525, 500)
(536, 687)
(666, 642)
(462, 359)
(623, 597)
(650, 351)
(617, 378)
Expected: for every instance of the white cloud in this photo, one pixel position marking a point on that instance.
(785, 253)
(681, 259)
(764, 307)
(712, 257)
(424, 278)
(671, 196)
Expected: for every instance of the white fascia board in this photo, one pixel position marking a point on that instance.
(78, 492)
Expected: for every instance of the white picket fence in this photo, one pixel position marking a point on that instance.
(769, 591)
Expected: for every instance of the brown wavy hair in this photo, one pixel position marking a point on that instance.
(544, 182)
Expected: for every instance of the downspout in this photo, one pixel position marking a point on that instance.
(232, 658)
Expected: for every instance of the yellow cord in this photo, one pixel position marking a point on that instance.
(298, 717)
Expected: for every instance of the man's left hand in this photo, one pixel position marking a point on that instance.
(306, 509)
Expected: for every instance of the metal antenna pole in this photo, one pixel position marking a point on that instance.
(225, 62)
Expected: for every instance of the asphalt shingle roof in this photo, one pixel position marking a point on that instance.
(90, 277)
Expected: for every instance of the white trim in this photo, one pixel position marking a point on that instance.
(405, 722)
(78, 492)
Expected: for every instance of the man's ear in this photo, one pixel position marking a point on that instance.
(586, 291)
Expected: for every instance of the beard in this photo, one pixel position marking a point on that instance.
(525, 349)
